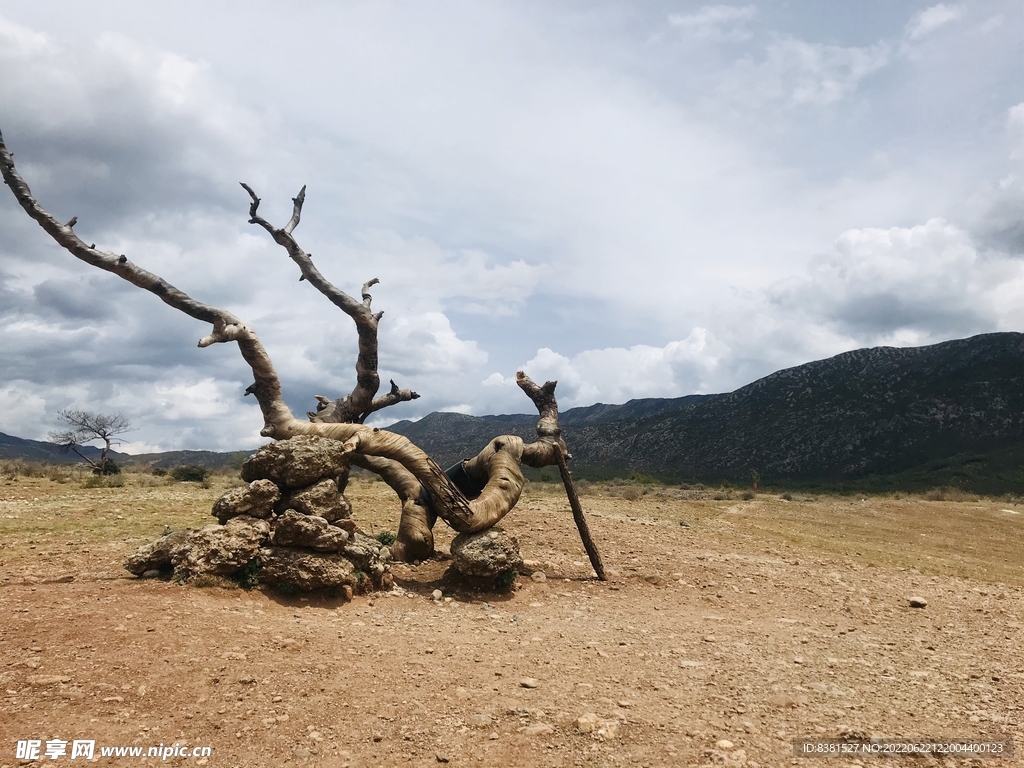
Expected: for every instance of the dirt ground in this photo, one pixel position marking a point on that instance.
(728, 628)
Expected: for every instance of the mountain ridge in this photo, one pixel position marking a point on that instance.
(951, 412)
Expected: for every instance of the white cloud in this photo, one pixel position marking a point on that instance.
(426, 345)
(22, 409)
(798, 73)
(615, 374)
(717, 22)
(18, 41)
(879, 285)
(930, 19)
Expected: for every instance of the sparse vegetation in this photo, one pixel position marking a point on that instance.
(191, 473)
(506, 581)
(387, 538)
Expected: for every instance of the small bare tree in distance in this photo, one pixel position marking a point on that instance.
(87, 427)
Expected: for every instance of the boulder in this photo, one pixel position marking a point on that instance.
(306, 571)
(222, 550)
(254, 500)
(364, 552)
(486, 554)
(156, 556)
(293, 529)
(297, 462)
(322, 499)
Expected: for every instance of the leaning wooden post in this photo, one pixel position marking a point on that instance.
(549, 433)
(581, 521)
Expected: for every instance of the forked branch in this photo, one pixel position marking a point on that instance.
(360, 403)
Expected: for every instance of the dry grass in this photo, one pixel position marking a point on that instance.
(50, 513)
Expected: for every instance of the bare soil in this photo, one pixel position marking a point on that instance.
(719, 643)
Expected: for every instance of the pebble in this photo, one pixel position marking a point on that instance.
(918, 602)
(724, 744)
(481, 720)
(151, 574)
(539, 576)
(440, 757)
(437, 594)
(538, 729)
(529, 682)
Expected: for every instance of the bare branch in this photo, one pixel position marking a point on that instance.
(396, 395)
(358, 404)
(226, 327)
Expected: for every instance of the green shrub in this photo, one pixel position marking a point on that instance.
(506, 581)
(191, 473)
(387, 538)
(247, 578)
(160, 471)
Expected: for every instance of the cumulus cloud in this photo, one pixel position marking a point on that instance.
(615, 374)
(913, 284)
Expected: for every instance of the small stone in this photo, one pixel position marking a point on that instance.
(709, 638)
(918, 602)
(437, 594)
(529, 682)
(538, 729)
(786, 701)
(481, 720)
(302, 753)
(587, 723)
(493, 735)
(47, 679)
(441, 758)
(152, 573)
(724, 745)
(539, 576)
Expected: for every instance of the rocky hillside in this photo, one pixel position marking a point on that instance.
(947, 414)
(869, 412)
(36, 450)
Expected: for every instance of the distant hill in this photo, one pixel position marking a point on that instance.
(950, 413)
(887, 417)
(36, 450)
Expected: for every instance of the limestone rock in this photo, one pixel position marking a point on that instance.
(304, 570)
(486, 554)
(255, 500)
(322, 499)
(297, 462)
(597, 727)
(364, 552)
(293, 529)
(155, 556)
(222, 550)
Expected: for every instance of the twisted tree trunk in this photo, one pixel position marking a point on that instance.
(425, 491)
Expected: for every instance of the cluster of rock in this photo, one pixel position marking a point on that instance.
(290, 527)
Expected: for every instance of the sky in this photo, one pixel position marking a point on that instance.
(636, 199)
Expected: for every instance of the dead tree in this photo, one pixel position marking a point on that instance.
(87, 427)
(424, 489)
